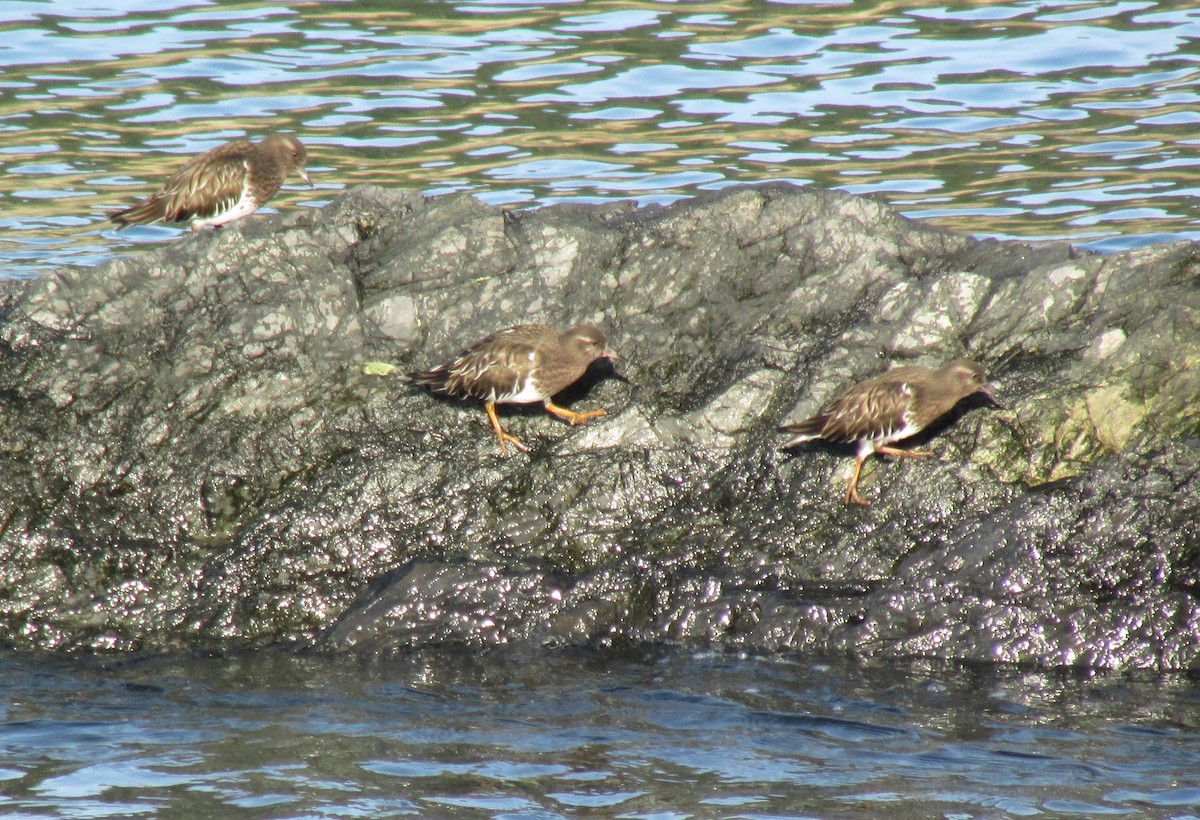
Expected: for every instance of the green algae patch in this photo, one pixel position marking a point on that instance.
(378, 369)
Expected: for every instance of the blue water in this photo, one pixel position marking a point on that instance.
(651, 734)
(1070, 119)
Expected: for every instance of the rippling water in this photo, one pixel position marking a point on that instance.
(659, 734)
(1067, 119)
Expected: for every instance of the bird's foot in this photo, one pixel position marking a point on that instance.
(508, 438)
(573, 417)
(898, 453)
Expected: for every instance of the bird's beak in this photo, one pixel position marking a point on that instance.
(987, 389)
(304, 176)
(613, 356)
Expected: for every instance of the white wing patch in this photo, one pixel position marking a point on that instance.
(527, 393)
(243, 207)
(907, 427)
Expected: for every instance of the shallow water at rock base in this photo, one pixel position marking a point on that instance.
(541, 734)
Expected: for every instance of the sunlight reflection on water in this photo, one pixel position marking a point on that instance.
(548, 734)
(1066, 120)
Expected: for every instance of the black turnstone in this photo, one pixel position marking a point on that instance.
(221, 185)
(887, 408)
(520, 365)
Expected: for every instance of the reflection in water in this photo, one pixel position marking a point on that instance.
(1074, 119)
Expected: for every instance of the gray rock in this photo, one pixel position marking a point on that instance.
(194, 455)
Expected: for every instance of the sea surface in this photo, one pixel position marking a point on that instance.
(1033, 120)
(1039, 119)
(649, 733)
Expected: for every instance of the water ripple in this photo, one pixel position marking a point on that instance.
(971, 116)
(549, 734)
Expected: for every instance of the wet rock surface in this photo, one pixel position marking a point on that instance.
(193, 455)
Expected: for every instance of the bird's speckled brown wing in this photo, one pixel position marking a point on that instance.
(877, 408)
(210, 184)
(493, 369)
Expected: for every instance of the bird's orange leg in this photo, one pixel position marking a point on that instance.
(852, 496)
(898, 453)
(572, 416)
(502, 436)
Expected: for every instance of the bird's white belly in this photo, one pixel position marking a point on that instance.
(909, 429)
(528, 393)
(243, 207)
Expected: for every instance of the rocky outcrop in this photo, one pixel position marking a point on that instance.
(193, 453)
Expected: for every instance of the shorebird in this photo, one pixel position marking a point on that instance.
(520, 365)
(889, 407)
(221, 185)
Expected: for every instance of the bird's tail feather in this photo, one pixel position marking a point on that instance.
(802, 431)
(144, 213)
(435, 378)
